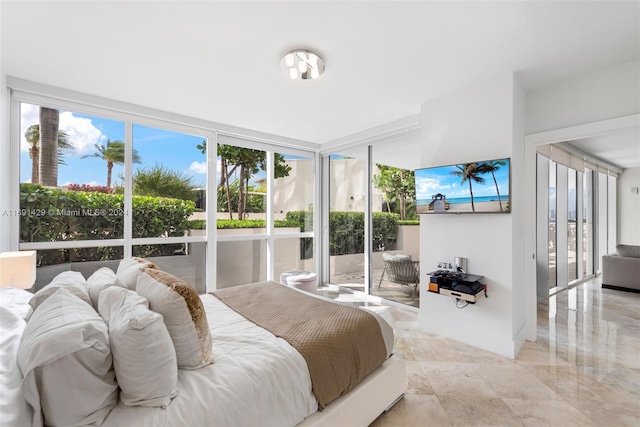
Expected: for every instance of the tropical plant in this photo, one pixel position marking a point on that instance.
(249, 162)
(90, 188)
(32, 136)
(396, 184)
(48, 156)
(160, 181)
(230, 196)
(491, 167)
(470, 172)
(112, 153)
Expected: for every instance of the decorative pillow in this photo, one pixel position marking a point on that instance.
(630, 251)
(129, 268)
(143, 354)
(14, 410)
(390, 256)
(146, 261)
(401, 258)
(66, 363)
(184, 315)
(102, 279)
(73, 281)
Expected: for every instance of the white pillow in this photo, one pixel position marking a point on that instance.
(73, 281)
(143, 355)
(183, 313)
(66, 363)
(101, 279)
(17, 301)
(14, 410)
(129, 268)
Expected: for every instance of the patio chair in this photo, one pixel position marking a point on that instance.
(402, 270)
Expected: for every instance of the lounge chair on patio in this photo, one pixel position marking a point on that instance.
(402, 270)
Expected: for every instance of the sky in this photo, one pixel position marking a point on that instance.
(430, 181)
(175, 151)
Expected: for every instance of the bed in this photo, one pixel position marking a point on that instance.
(256, 378)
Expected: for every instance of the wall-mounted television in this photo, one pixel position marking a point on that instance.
(475, 187)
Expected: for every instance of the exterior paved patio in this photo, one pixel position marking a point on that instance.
(388, 290)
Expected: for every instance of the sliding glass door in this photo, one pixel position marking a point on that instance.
(575, 220)
(348, 181)
(395, 234)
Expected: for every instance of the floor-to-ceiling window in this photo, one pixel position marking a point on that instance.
(348, 186)
(552, 224)
(572, 231)
(395, 224)
(94, 183)
(371, 217)
(265, 218)
(294, 210)
(116, 184)
(587, 222)
(575, 215)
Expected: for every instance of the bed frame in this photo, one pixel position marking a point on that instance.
(374, 395)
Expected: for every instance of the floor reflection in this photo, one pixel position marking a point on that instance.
(584, 369)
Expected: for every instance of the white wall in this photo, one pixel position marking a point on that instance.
(603, 94)
(629, 207)
(5, 163)
(479, 123)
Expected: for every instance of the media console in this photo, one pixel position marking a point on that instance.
(466, 287)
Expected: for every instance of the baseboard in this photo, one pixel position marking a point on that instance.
(621, 288)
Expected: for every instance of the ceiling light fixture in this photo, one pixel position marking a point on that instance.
(302, 64)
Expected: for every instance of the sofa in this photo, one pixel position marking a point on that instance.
(622, 270)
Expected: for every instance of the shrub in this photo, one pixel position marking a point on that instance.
(91, 188)
(161, 181)
(53, 215)
(346, 231)
(197, 224)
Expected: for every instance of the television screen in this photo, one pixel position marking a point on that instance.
(478, 187)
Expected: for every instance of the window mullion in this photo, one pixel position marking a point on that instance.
(128, 189)
(270, 216)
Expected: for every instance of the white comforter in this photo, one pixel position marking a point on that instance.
(257, 379)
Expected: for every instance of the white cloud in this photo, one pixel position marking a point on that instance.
(82, 133)
(427, 185)
(29, 115)
(198, 167)
(201, 168)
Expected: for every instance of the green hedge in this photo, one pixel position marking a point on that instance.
(408, 222)
(53, 215)
(346, 231)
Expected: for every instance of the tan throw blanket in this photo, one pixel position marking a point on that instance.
(340, 344)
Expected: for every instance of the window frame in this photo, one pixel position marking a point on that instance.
(130, 115)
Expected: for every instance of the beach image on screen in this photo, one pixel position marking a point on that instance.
(464, 188)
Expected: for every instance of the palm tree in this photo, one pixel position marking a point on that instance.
(113, 153)
(469, 172)
(32, 135)
(491, 167)
(48, 156)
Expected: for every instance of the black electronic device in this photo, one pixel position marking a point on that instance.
(470, 288)
(457, 284)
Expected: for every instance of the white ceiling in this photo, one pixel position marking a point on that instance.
(620, 148)
(219, 61)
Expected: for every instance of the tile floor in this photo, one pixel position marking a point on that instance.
(584, 369)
